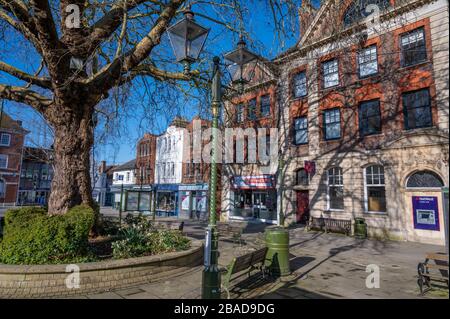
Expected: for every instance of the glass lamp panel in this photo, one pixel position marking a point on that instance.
(235, 71)
(187, 39)
(195, 44)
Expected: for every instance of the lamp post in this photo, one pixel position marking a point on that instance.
(187, 39)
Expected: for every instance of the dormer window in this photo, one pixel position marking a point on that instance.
(361, 9)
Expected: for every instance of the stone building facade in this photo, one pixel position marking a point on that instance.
(375, 116)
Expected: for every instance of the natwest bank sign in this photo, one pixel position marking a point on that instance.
(253, 182)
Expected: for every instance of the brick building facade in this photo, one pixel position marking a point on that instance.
(364, 116)
(12, 136)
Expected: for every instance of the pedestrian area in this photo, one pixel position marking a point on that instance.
(323, 266)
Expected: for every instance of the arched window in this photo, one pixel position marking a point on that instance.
(335, 188)
(302, 177)
(360, 9)
(375, 192)
(424, 179)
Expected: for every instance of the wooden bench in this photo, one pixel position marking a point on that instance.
(343, 226)
(437, 271)
(250, 261)
(230, 231)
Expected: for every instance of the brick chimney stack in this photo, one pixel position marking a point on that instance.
(102, 167)
(306, 15)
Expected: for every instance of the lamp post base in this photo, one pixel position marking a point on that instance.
(211, 283)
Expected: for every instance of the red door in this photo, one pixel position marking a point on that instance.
(302, 206)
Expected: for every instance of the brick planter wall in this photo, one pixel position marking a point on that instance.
(46, 281)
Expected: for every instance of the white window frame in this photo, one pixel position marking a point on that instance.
(366, 193)
(328, 190)
(6, 160)
(366, 53)
(9, 139)
(327, 76)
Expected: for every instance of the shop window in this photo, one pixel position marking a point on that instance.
(301, 130)
(368, 61)
(417, 109)
(424, 179)
(252, 110)
(302, 177)
(299, 85)
(330, 71)
(375, 189)
(265, 105)
(369, 118)
(335, 188)
(165, 201)
(413, 47)
(332, 124)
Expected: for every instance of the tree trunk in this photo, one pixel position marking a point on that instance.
(71, 184)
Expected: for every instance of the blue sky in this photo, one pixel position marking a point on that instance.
(258, 23)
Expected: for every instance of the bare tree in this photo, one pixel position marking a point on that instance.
(82, 63)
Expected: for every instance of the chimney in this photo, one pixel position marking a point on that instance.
(306, 15)
(102, 167)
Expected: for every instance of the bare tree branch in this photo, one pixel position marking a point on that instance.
(25, 96)
(43, 82)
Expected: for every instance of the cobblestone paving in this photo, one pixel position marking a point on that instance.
(323, 266)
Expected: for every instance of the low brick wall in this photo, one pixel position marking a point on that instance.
(46, 281)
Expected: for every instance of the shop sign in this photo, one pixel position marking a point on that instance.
(254, 182)
(202, 187)
(426, 212)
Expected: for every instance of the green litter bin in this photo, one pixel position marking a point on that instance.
(277, 258)
(360, 228)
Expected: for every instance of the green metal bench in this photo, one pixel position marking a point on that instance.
(251, 261)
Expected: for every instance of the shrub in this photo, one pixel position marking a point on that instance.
(42, 239)
(23, 216)
(139, 241)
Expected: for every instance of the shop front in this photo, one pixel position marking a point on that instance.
(166, 200)
(254, 198)
(193, 201)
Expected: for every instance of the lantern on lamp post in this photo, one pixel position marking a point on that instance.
(239, 58)
(187, 39)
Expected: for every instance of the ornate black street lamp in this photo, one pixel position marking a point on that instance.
(239, 58)
(187, 39)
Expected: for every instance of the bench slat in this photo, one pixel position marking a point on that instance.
(437, 256)
(242, 263)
